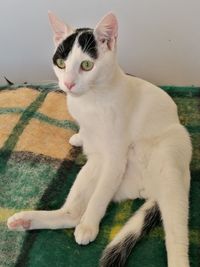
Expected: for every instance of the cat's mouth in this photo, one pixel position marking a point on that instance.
(75, 92)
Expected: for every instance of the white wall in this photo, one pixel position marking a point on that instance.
(159, 40)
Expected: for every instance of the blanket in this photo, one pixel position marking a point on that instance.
(38, 167)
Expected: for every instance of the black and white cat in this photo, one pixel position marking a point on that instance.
(134, 142)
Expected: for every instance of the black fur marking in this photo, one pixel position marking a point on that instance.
(86, 40)
(152, 218)
(65, 47)
(117, 255)
(83, 29)
(88, 43)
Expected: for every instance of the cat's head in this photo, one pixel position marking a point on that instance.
(84, 58)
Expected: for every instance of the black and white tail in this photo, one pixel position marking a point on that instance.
(116, 253)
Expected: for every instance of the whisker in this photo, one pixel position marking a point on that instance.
(90, 48)
(61, 48)
(87, 43)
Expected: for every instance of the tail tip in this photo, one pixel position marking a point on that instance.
(111, 258)
(116, 255)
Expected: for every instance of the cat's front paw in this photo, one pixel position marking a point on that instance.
(85, 233)
(20, 221)
(75, 140)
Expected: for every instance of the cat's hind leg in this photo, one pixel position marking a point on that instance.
(173, 204)
(71, 212)
(171, 179)
(170, 183)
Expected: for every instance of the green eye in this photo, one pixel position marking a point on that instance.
(60, 63)
(87, 65)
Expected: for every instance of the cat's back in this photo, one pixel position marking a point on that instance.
(148, 91)
(154, 110)
(150, 100)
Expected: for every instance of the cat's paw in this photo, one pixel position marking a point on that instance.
(85, 233)
(75, 140)
(20, 221)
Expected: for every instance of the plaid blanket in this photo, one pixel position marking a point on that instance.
(38, 167)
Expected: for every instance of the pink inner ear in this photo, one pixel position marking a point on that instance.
(107, 28)
(57, 38)
(60, 29)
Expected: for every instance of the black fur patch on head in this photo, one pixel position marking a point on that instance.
(83, 29)
(65, 47)
(88, 43)
(86, 40)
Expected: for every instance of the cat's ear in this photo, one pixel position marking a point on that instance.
(107, 30)
(60, 29)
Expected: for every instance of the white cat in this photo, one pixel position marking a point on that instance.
(134, 142)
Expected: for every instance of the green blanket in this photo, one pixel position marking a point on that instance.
(38, 167)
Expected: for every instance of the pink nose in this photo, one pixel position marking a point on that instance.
(69, 85)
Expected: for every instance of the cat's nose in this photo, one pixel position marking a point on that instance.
(69, 85)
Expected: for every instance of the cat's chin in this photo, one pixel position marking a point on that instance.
(75, 93)
(70, 92)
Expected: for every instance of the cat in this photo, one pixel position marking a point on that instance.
(134, 143)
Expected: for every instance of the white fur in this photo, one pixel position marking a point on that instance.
(136, 147)
(75, 140)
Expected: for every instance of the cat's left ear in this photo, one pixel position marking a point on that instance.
(60, 29)
(107, 30)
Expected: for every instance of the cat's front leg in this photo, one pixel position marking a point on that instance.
(41, 219)
(109, 181)
(70, 214)
(76, 140)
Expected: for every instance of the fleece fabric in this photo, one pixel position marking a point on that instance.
(38, 167)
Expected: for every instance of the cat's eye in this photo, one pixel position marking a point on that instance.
(60, 63)
(87, 65)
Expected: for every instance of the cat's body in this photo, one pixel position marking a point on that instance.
(135, 145)
(139, 118)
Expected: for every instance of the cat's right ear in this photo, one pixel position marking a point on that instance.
(60, 29)
(107, 30)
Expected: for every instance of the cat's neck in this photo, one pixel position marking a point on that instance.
(117, 75)
(111, 80)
